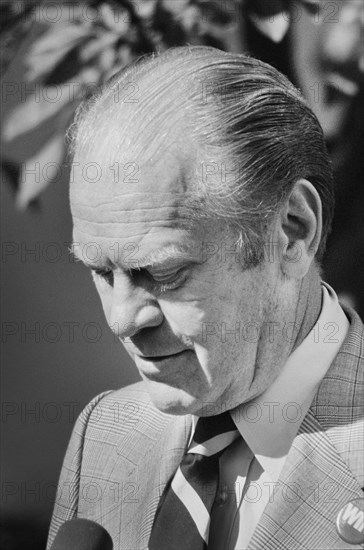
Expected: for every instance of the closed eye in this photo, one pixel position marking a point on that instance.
(156, 282)
(172, 281)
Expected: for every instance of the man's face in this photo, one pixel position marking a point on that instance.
(198, 324)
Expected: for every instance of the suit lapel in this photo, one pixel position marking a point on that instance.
(315, 484)
(157, 466)
(316, 481)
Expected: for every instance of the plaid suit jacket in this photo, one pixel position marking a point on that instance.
(123, 451)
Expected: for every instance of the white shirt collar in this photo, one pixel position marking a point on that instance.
(270, 422)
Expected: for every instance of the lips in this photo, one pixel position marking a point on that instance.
(160, 358)
(162, 368)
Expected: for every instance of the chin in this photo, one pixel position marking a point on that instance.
(171, 400)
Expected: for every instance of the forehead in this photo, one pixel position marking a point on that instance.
(132, 201)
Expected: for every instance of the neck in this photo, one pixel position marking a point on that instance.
(309, 304)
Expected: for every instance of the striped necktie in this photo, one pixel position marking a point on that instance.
(182, 519)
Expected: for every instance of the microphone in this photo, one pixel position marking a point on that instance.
(82, 534)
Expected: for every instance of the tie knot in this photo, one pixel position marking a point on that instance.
(213, 434)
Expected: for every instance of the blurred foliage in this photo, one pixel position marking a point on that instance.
(55, 54)
(63, 51)
(15, 20)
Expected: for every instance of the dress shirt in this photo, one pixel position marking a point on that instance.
(250, 467)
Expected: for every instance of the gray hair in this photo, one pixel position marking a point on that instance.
(244, 116)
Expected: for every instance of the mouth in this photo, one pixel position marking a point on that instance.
(163, 367)
(161, 358)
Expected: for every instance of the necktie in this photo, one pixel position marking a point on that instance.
(182, 519)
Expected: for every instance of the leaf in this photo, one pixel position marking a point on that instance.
(96, 45)
(47, 102)
(176, 6)
(37, 172)
(58, 36)
(190, 18)
(274, 28)
(107, 60)
(117, 19)
(29, 114)
(65, 70)
(47, 52)
(145, 9)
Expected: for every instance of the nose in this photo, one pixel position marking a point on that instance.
(132, 309)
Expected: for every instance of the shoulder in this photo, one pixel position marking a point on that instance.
(338, 404)
(343, 384)
(129, 400)
(112, 415)
(354, 342)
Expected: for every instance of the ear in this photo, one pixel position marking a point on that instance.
(299, 229)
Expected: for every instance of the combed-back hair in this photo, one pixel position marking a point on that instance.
(253, 133)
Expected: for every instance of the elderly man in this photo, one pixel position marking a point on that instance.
(202, 205)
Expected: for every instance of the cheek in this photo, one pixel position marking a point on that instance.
(191, 318)
(201, 322)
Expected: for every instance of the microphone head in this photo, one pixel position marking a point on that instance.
(82, 534)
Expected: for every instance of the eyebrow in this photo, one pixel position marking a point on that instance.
(161, 255)
(155, 258)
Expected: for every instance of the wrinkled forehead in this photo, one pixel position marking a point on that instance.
(132, 174)
(119, 171)
(116, 192)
